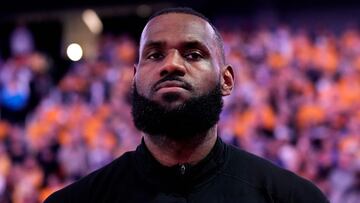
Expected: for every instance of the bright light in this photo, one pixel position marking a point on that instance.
(92, 21)
(74, 52)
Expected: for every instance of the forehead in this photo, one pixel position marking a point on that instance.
(178, 27)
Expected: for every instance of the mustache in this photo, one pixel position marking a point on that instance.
(185, 84)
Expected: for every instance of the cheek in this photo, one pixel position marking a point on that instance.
(145, 78)
(206, 81)
(142, 82)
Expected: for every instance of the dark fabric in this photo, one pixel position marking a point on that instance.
(227, 174)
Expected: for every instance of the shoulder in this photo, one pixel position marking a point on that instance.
(80, 190)
(263, 175)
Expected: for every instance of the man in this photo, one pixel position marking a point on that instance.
(178, 86)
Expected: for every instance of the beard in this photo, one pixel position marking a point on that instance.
(191, 119)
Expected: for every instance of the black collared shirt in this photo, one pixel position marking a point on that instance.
(226, 174)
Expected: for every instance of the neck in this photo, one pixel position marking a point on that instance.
(170, 152)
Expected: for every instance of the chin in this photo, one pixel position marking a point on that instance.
(172, 106)
(171, 99)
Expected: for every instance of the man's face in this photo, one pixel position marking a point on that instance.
(178, 82)
(178, 59)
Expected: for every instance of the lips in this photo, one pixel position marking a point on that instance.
(172, 83)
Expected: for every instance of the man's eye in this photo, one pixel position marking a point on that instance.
(194, 56)
(155, 56)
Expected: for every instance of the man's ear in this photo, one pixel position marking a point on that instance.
(227, 80)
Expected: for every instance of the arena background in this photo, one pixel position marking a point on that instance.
(296, 100)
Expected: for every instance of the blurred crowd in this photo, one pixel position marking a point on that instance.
(296, 103)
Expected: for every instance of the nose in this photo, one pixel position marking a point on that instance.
(173, 64)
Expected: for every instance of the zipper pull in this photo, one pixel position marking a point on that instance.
(182, 169)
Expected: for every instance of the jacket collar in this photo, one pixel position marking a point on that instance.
(179, 178)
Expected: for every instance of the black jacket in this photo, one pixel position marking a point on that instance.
(227, 174)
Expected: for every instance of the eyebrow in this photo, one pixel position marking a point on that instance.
(196, 45)
(154, 44)
(193, 44)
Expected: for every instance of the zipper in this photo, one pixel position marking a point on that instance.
(182, 169)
